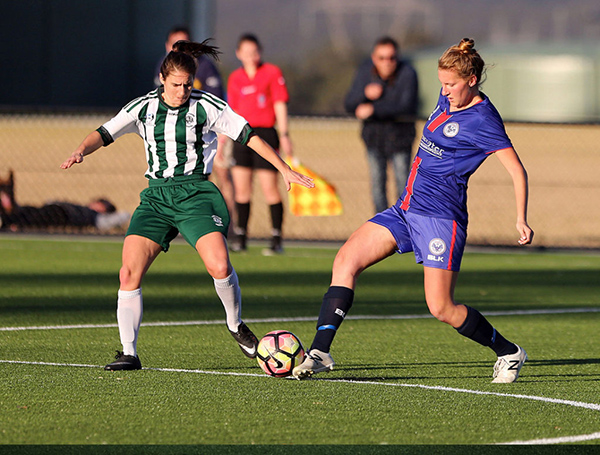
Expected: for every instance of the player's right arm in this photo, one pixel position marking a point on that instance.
(120, 124)
(90, 144)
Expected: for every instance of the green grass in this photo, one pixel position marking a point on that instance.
(392, 378)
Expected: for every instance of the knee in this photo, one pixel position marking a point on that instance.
(219, 270)
(128, 279)
(442, 310)
(345, 270)
(344, 265)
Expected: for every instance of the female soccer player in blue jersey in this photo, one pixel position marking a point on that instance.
(430, 218)
(179, 126)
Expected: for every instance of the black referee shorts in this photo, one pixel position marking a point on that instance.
(246, 157)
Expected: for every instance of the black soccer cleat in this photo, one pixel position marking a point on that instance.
(124, 362)
(246, 339)
(275, 248)
(238, 244)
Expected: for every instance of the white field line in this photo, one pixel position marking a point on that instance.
(561, 440)
(578, 404)
(169, 370)
(303, 319)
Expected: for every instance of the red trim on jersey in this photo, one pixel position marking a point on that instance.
(452, 245)
(439, 120)
(494, 151)
(410, 183)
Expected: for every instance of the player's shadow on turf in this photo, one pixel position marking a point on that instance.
(551, 362)
(563, 376)
(403, 367)
(395, 366)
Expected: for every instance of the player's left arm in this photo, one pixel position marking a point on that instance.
(510, 160)
(228, 122)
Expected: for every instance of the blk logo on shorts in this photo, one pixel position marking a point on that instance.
(437, 247)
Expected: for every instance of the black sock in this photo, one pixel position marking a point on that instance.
(477, 328)
(243, 215)
(336, 304)
(276, 218)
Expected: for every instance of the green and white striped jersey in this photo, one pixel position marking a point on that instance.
(178, 141)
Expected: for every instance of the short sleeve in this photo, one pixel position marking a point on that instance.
(279, 89)
(230, 124)
(122, 123)
(491, 135)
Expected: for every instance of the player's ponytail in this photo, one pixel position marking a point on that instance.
(184, 54)
(464, 60)
(197, 49)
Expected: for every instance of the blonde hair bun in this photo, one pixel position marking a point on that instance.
(467, 46)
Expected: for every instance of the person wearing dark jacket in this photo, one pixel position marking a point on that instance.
(384, 95)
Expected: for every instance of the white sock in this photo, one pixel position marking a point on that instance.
(129, 318)
(228, 290)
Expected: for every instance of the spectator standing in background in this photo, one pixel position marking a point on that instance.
(257, 92)
(384, 95)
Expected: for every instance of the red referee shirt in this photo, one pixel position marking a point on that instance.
(254, 98)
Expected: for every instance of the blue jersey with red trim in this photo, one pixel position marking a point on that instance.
(453, 146)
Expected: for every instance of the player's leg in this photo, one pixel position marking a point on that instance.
(269, 179)
(439, 294)
(212, 248)
(138, 254)
(368, 245)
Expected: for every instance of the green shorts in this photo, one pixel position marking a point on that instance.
(190, 205)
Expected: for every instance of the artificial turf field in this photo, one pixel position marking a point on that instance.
(402, 380)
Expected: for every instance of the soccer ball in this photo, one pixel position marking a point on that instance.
(279, 352)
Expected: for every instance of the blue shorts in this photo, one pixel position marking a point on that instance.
(437, 242)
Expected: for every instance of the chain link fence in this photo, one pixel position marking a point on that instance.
(561, 160)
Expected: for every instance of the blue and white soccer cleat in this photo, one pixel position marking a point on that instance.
(507, 367)
(316, 361)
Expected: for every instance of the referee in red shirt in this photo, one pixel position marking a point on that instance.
(257, 92)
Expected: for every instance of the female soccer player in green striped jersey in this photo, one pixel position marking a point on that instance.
(179, 126)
